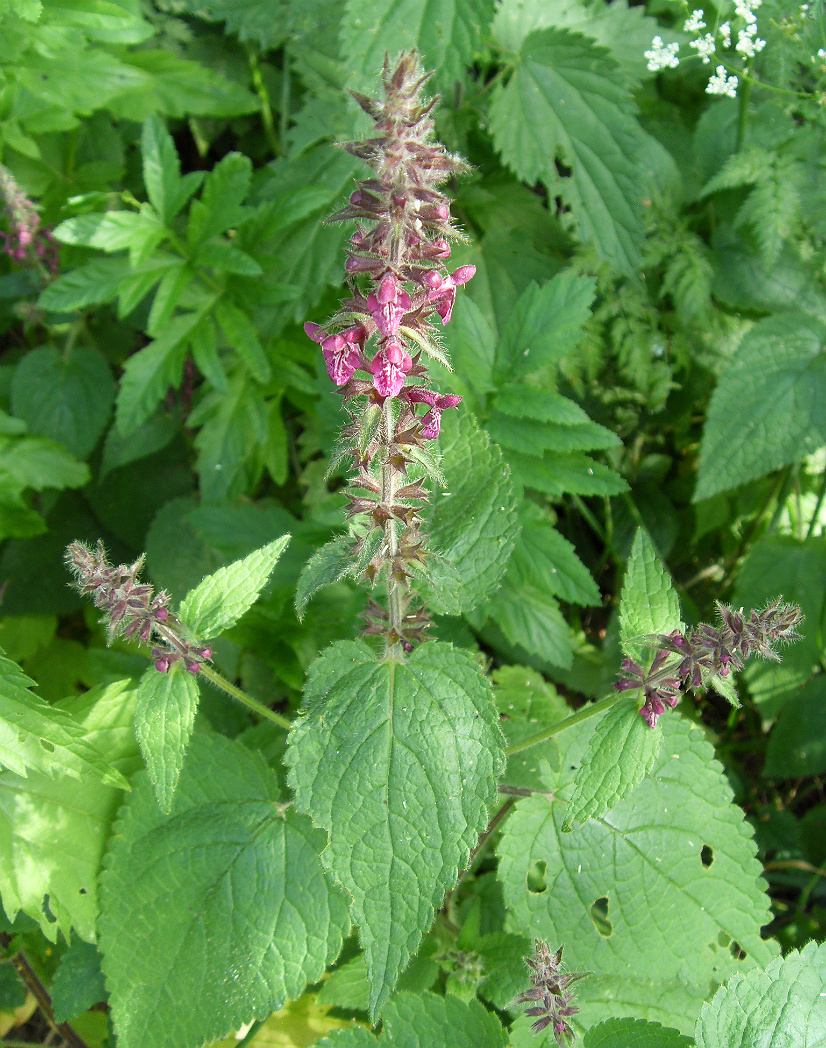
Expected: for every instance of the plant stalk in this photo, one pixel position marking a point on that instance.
(221, 682)
(567, 722)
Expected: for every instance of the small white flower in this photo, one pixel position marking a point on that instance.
(695, 23)
(725, 33)
(822, 53)
(747, 42)
(722, 84)
(662, 55)
(704, 46)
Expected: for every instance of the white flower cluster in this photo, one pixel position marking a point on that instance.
(662, 56)
(722, 84)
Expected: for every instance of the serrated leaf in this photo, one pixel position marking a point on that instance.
(53, 830)
(769, 407)
(545, 324)
(566, 101)
(781, 1007)
(473, 523)
(139, 232)
(797, 746)
(398, 762)
(166, 190)
(556, 475)
(222, 598)
(326, 566)
(634, 1033)
(217, 913)
(232, 427)
(531, 619)
(546, 559)
(542, 405)
(37, 462)
(65, 397)
(78, 981)
(679, 840)
(227, 258)
(240, 333)
(89, 285)
(649, 603)
(164, 717)
(622, 751)
(220, 205)
(527, 704)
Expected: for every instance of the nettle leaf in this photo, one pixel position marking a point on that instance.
(528, 703)
(167, 191)
(531, 619)
(218, 912)
(53, 830)
(649, 603)
(67, 398)
(399, 763)
(622, 751)
(769, 407)
(222, 598)
(447, 37)
(782, 1005)
(164, 718)
(545, 324)
(473, 522)
(548, 560)
(663, 891)
(424, 1020)
(44, 738)
(625, 1033)
(567, 101)
(78, 981)
(327, 565)
(555, 474)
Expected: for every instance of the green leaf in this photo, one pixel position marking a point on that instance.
(797, 746)
(327, 565)
(783, 1005)
(78, 981)
(527, 704)
(232, 425)
(542, 557)
(769, 407)
(546, 323)
(45, 738)
(90, 285)
(171, 288)
(530, 618)
(398, 762)
(664, 889)
(53, 830)
(139, 232)
(221, 599)
(37, 462)
(101, 20)
(622, 751)
(472, 344)
(242, 336)
(67, 398)
(567, 101)
(649, 602)
(473, 522)
(218, 254)
(555, 474)
(217, 913)
(219, 207)
(167, 191)
(164, 718)
(634, 1033)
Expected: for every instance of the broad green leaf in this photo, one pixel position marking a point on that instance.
(769, 407)
(326, 566)
(232, 427)
(398, 761)
(218, 254)
(220, 205)
(67, 398)
(221, 599)
(167, 191)
(53, 830)
(665, 888)
(530, 619)
(555, 474)
(424, 1021)
(240, 333)
(473, 522)
(535, 438)
(164, 717)
(37, 462)
(472, 344)
(546, 323)
(634, 1033)
(447, 36)
(257, 20)
(542, 557)
(78, 981)
(781, 1007)
(217, 913)
(44, 738)
(89, 285)
(101, 20)
(622, 751)
(139, 232)
(797, 746)
(566, 101)
(649, 602)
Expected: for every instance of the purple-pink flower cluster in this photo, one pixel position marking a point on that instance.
(550, 998)
(26, 242)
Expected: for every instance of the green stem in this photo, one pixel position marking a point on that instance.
(821, 495)
(264, 102)
(221, 682)
(743, 112)
(568, 722)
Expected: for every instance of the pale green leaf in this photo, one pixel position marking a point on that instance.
(221, 599)
(102, 20)
(217, 913)
(473, 522)
(634, 1033)
(783, 1006)
(327, 565)
(90, 285)
(566, 101)
(164, 718)
(649, 603)
(398, 761)
(53, 830)
(139, 232)
(37, 462)
(769, 407)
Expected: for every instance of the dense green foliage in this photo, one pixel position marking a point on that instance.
(642, 360)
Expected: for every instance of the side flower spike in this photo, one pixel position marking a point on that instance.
(437, 402)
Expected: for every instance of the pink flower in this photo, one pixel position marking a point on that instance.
(442, 289)
(390, 366)
(388, 304)
(342, 352)
(437, 402)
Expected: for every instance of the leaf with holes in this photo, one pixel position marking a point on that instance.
(398, 761)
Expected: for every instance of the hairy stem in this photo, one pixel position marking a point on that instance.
(567, 722)
(388, 493)
(221, 682)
